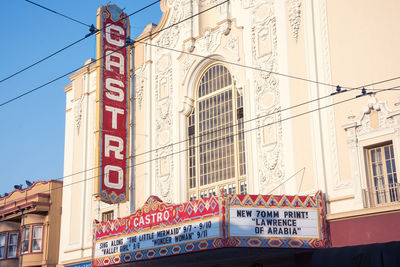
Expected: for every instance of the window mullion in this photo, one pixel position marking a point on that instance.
(372, 189)
(236, 136)
(197, 149)
(385, 174)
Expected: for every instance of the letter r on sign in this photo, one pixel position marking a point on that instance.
(117, 149)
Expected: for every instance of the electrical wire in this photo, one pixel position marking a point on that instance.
(86, 65)
(287, 179)
(269, 114)
(262, 70)
(194, 55)
(185, 150)
(72, 44)
(140, 41)
(154, 33)
(58, 13)
(240, 65)
(41, 60)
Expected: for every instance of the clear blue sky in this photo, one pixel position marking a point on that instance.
(32, 127)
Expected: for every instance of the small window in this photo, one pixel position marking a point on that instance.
(383, 184)
(25, 240)
(243, 188)
(37, 238)
(108, 216)
(12, 245)
(2, 245)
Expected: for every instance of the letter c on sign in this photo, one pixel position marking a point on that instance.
(107, 182)
(114, 38)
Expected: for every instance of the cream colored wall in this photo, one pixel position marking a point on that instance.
(78, 157)
(234, 45)
(300, 93)
(79, 151)
(80, 206)
(364, 45)
(334, 42)
(317, 50)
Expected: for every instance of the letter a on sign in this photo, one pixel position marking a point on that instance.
(113, 104)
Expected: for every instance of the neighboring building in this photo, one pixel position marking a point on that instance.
(30, 222)
(243, 97)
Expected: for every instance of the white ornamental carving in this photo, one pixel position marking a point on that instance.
(78, 113)
(164, 182)
(325, 74)
(185, 67)
(204, 3)
(170, 36)
(264, 57)
(248, 3)
(232, 45)
(139, 85)
(190, 45)
(361, 126)
(295, 17)
(163, 128)
(209, 42)
(163, 63)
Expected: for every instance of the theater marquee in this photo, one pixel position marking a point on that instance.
(159, 229)
(277, 221)
(113, 104)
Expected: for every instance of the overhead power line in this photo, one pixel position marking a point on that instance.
(58, 13)
(86, 65)
(92, 31)
(184, 150)
(153, 33)
(242, 66)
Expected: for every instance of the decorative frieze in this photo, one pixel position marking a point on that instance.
(294, 17)
(232, 45)
(267, 106)
(373, 121)
(78, 113)
(139, 81)
(209, 41)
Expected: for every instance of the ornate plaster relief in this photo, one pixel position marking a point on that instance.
(294, 17)
(360, 129)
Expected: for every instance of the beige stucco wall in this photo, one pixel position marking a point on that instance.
(323, 48)
(362, 41)
(80, 204)
(307, 45)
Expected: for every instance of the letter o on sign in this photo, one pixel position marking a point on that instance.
(166, 215)
(107, 182)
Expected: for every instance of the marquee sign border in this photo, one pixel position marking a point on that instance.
(281, 201)
(123, 226)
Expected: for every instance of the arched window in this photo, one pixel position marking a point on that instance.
(216, 151)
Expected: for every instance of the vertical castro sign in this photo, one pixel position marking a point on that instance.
(113, 104)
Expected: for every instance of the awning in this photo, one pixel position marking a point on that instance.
(376, 255)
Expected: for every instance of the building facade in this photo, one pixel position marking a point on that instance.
(250, 96)
(30, 222)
